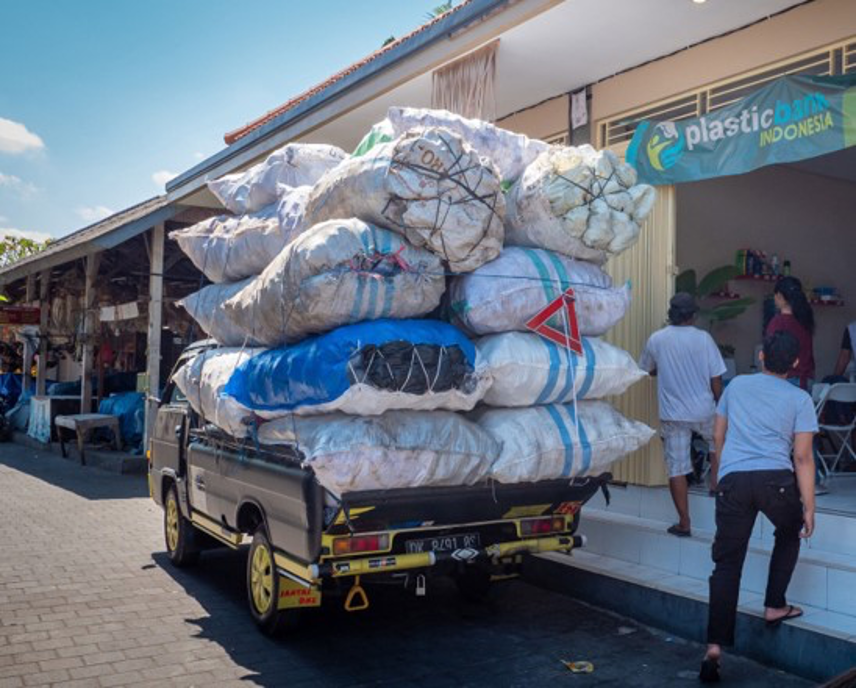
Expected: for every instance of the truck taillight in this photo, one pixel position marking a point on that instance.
(360, 544)
(541, 525)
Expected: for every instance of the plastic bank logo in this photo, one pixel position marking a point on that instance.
(785, 121)
(665, 146)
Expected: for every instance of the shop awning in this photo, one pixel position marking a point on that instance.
(792, 118)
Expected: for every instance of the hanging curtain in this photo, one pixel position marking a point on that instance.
(466, 86)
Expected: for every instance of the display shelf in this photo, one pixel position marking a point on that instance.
(759, 278)
(725, 296)
(826, 302)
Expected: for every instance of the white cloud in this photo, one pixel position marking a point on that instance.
(14, 232)
(161, 177)
(93, 214)
(16, 184)
(16, 138)
(199, 155)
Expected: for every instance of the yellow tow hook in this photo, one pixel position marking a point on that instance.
(359, 593)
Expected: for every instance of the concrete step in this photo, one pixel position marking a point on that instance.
(819, 645)
(823, 579)
(835, 531)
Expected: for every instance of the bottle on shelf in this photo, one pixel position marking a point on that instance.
(774, 265)
(786, 268)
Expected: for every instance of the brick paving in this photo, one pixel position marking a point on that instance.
(87, 598)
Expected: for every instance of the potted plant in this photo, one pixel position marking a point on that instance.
(706, 289)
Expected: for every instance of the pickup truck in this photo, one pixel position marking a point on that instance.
(306, 543)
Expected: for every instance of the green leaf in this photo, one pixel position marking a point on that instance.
(686, 282)
(716, 279)
(743, 302)
(727, 313)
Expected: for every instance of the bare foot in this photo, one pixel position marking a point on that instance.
(775, 616)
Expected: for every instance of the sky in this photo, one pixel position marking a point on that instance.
(102, 101)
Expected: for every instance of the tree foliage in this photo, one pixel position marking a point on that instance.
(14, 248)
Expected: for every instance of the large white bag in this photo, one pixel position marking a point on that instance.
(510, 152)
(401, 449)
(429, 186)
(337, 272)
(206, 308)
(578, 201)
(528, 369)
(504, 294)
(293, 165)
(202, 379)
(228, 248)
(549, 442)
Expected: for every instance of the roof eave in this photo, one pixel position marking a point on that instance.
(111, 239)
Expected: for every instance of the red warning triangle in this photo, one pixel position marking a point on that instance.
(569, 335)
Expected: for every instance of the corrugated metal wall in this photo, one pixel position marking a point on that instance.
(649, 266)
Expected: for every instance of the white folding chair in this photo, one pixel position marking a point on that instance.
(844, 393)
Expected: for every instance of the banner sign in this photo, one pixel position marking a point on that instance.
(19, 315)
(789, 119)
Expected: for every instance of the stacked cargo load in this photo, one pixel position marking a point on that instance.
(327, 300)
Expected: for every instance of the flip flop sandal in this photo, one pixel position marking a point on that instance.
(676, 530)
(787, 616)
(709, 673)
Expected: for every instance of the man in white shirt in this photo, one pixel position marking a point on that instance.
(689, 371)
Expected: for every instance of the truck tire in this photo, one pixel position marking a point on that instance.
(263, 588)
(179, 534)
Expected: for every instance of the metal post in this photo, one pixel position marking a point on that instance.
(153, 354)
(29, 297)
(90, 322)
(44, 305)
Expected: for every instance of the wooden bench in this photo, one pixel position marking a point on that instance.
(83, 424)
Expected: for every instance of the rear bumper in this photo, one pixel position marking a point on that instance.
(383, 564)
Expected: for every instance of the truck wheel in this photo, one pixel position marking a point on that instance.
(179, 534)
(474, 583)
(263, 588)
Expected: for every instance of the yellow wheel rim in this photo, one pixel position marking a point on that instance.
(171, 524)
(261, 579)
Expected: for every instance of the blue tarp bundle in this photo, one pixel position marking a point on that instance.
(317, 370)
(10, 387)
(130, 408)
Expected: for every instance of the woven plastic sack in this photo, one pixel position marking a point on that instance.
(228, 247)
(427, 185)
(335, 273)
(510, 152)
(549, 442)
(401, 449)
(528, 369)
(504, 294)
(206, 308)
(293, 165)
(202, 380)
(578, 201)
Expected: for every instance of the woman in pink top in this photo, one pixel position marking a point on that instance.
(796, 317)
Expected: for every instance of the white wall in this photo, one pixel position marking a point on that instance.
(807, 218)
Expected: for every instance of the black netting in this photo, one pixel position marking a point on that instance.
(416, 369)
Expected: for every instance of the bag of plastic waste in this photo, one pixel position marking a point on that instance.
(206, 308)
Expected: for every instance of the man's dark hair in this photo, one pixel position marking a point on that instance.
(781, 350)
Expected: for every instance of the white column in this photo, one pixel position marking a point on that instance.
(153, 354)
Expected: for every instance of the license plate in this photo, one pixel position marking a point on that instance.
(443, 544)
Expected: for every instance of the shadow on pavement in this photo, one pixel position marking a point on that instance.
(87, 482)
(516, 638)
